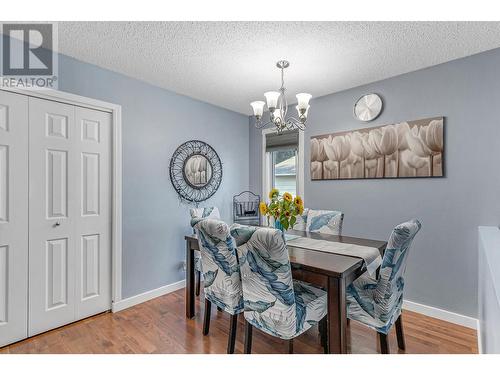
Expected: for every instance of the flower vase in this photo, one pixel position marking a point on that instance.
(277, 225)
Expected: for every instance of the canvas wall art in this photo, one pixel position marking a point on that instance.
(407, 149)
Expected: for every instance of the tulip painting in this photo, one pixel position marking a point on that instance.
(317, 158)
(407, 149)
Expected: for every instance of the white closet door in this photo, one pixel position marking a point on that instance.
(70, 214)
(53, 211)
(13, 217)
(93, 220)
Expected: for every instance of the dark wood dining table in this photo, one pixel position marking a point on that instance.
(333, 272)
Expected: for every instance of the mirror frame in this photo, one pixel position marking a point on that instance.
(184, 188)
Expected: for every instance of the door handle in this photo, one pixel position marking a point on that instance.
(57, 223)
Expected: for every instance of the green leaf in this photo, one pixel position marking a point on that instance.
(284, 222)
(293, 219)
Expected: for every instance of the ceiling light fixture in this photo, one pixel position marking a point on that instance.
(278, 107)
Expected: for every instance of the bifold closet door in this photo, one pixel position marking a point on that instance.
(13, 217)
(69, 214)
(93, 224)
(52, 214)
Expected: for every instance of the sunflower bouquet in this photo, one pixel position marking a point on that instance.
(284, 209)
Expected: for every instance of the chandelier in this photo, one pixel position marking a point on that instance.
(278, 107)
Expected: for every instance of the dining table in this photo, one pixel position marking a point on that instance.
(331, 271)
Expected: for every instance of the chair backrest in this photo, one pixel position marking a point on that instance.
(267, 283)
(221, 272)
(211, 212)
(323, 221)
(389, 291)
(301, 223)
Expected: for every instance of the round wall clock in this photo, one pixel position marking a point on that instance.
(368, 107)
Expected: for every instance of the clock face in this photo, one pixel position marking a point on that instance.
(368, 107)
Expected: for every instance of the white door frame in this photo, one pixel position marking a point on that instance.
(266, 163)
(116, 190)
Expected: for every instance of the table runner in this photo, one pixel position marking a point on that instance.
(370, 255)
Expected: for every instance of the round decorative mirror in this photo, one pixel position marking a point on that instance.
(195, 171)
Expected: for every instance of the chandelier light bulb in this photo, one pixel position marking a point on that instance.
(258, 108)
(303, 100)
(302, 112)
(272, 98)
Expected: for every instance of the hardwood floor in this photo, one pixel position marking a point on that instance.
(159, 326)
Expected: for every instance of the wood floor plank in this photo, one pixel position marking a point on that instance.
(159, 326)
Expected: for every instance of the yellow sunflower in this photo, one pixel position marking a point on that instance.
(298, 201)
(287, 197)
(274, 192)
(300, 209)
(263, 208)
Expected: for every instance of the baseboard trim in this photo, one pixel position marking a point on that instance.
(437, 313)
(479, 341)
(146, 296)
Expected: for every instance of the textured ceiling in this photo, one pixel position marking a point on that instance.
(230, 64)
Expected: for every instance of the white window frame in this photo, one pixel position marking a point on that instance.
(266, 165)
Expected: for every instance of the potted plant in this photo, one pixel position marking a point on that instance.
(283, 208)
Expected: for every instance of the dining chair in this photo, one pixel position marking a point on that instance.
(221, 273)
(377, 302)
(301, 222)
(274, 302)
(324, 221)
(211, 212)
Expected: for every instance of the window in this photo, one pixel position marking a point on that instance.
(281, 161)
(284, 170)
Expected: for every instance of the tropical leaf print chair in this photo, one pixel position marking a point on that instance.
(211, 212)
(323, 221)
(377, 302)
(221, 273)
(301, 222)
(274, 302)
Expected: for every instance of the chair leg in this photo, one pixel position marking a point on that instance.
(290, 346)
(384, 345)
(400, 333)
(233, 321)
(321, 330)
(206, 318)
(198, 281)
(323, 326)
(248, 338)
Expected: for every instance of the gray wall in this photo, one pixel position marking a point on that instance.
(155, 122)
(442, 269)
(489, 290)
